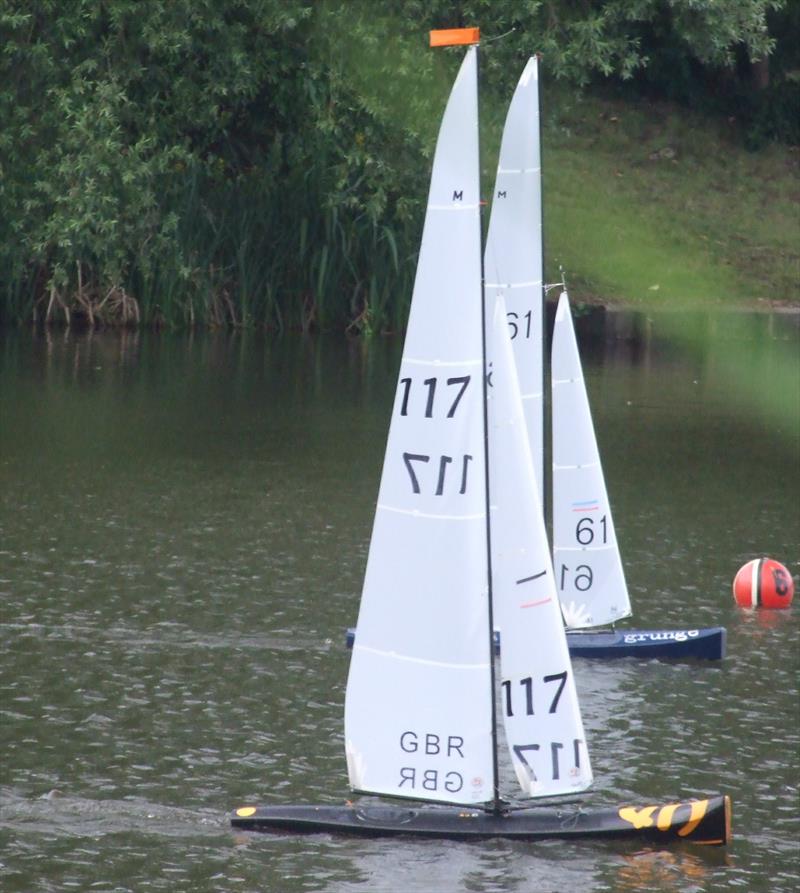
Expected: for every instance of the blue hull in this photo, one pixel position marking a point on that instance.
(703, 644)
(673, 644)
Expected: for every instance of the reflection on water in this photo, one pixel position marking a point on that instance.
(668, 870)
(183, 530)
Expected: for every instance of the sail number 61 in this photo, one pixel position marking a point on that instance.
(585, 530)
(584, 577)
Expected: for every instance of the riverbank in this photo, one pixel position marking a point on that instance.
(648, 204)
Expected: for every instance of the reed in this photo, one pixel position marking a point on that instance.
(245, 255)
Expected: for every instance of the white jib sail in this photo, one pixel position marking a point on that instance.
(418, 702)
(513, 256)
(538, 700)
(586, 557)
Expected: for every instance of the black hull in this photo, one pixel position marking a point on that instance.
(667, 644)
(698, 821)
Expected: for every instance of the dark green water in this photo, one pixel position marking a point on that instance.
(183, 530)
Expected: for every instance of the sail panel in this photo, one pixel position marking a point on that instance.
(587, 563)
(538, 699)
(418, 702)
(424, 739)
(513, 256)
(439, 328)
(406, 616)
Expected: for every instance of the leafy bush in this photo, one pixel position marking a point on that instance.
(134, 130)
(180, 162)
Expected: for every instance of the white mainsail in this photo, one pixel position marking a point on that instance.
(586, 557)
(513, 256)
(418, 701)
(538, 700)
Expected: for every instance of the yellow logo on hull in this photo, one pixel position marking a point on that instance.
(665, 816)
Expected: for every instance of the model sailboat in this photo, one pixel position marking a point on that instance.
(458, 543)
(586, 558)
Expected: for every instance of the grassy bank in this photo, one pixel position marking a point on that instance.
(645, 205)
(649, 204)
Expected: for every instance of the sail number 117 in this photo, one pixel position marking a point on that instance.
(456, 387)
(527, 688)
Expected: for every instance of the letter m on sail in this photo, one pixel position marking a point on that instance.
(458, 195)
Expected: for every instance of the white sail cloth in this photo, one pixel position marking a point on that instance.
(586, 557)
(418, 702)
(538, 700)
(513, 256)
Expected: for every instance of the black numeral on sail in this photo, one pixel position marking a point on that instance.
(516, 328)
(408, 458)
(583, 577)
(555, 749)
(520, 749)
(555, 677)
(443, 476)
(527, 686)
(585, 530)
(457, 386)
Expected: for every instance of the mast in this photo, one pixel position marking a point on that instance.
(546, 478)
(471, 36)
(497, 802)
(451, 38)
(418, 703)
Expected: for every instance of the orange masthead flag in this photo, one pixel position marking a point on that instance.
(451, 37)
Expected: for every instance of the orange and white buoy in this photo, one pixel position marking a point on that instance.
(763, 583)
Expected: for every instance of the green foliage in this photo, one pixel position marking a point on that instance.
(107, 103)
(727, 59)
(580, 40)
(184, 162)
(188, 161)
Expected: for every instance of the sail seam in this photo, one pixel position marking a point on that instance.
(518, 170)
(421, 660)
(585, 548)
(542, 601)
(570, 467)
(567, 380)
(526, 284)
(416, 362)
(418, 514)
(453, 207)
